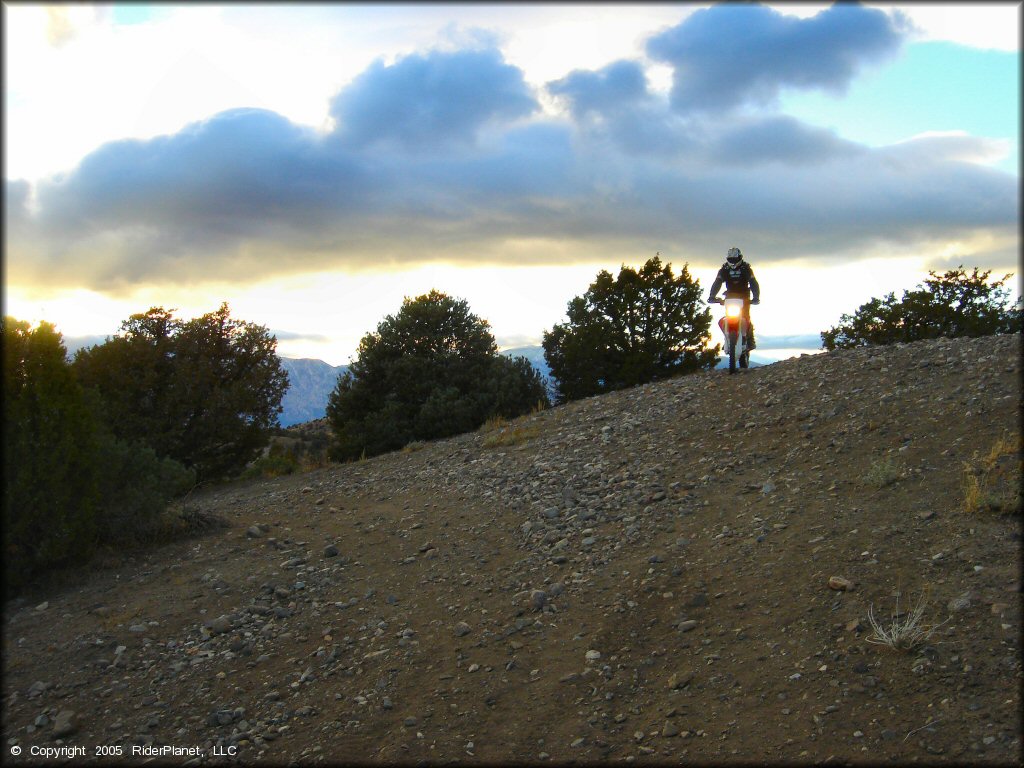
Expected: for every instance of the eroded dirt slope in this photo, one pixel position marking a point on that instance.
(641, 576)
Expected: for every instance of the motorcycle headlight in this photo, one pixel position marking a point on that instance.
(733, 309)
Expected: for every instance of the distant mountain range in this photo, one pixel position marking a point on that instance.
(310, 383)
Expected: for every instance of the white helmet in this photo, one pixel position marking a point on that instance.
(734, 257)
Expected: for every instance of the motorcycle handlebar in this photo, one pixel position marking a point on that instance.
(722, 301)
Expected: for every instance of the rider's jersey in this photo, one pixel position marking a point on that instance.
(739, 281)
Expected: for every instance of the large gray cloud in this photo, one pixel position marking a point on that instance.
(442, 156)
(731, 54)
(619, 86)
(614, 105)
(777, 139)
(431, 101)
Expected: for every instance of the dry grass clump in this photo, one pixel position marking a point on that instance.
(500, 433)
(992, 483)
(186, 521)
(493, 424)
(905, 630)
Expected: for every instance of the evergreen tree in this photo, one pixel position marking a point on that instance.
(953, 304)
(430, 371)
(51, 462)
(638, 327)
(204, 392)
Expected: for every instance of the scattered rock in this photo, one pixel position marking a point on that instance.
(680, 680)
(462, 629)
(840, 584)
(538, 599)
(65, 723)
(699, 600)
(220, 625)
(961, 602)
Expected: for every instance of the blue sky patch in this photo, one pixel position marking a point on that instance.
(934, 86)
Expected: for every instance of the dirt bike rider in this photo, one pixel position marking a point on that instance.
(740, 283)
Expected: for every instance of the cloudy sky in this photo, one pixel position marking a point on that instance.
(313, 164)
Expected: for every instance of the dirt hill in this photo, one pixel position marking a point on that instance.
(678, 572)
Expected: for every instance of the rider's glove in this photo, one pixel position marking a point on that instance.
(756, 301)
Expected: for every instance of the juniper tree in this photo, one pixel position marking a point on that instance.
(641, 326)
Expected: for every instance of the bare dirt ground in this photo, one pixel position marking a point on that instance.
(682, 572)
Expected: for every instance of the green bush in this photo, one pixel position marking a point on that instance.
(51, 457)
(272, 465)
(430, 371)
(69, 484)
(135, 486)
(951, 305)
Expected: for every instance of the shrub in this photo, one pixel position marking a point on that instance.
(992, 483)
(69, 484)
(953, 304)
(883, 472)
(51, 461)
(135, 487)
(510, 435)
(904, 630)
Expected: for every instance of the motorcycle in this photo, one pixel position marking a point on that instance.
(734, 326)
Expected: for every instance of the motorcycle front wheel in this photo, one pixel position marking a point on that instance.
(732, 353)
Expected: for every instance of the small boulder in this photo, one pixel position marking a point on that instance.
(839, 584)
(220, 625)
(538, 599)
(680, 680)
(65, 724)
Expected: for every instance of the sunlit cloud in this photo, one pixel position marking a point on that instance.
(445, 155)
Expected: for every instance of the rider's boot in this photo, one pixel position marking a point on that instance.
(751, 344)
